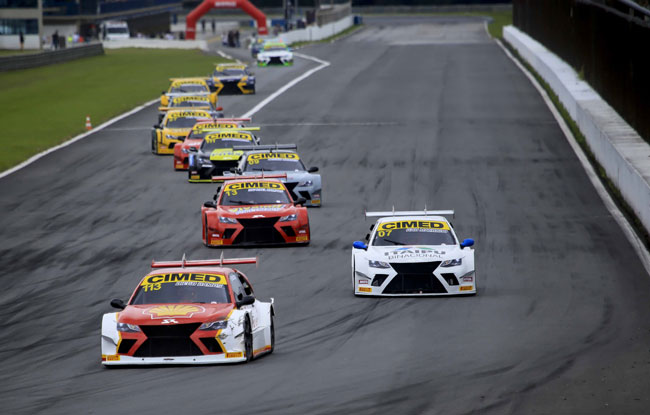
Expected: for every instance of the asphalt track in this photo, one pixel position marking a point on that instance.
(560, 323)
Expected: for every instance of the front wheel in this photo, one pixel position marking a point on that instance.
(154, 144)
(272, 334)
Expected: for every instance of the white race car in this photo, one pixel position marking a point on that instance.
(189, 312)
(413, 253)
(275, 53)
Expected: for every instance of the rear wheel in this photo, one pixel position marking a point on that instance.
(205, 227)
(248, 341)
(154, 144)
(272, 334)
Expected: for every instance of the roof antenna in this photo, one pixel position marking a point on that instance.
(425, 209)
(221, 259)
(183, 260)
(393, 210)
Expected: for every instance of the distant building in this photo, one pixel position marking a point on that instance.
(21, 16)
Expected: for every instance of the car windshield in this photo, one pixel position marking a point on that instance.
(188, 88)
(182, 288)
(189, 103)
(182, 122)
(229, 72)
(274, 48)
(223, 143)
(254, 193)
(413, 232)
(274, 162)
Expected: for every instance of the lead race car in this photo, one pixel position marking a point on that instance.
(413, 253)
(275, 53)
(232, 78)
(279, 159)
(189, 312)
(254, 211)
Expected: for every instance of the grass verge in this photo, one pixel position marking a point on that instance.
(42, 107)
(611, 188)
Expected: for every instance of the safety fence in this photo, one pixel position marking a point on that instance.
(605, 41)
(32, 60)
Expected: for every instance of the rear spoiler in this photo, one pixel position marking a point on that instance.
(189, 78)
(424, 212)
(183, 263)
(262, 176)
(231, 64)
(267, 147)
(163, 109)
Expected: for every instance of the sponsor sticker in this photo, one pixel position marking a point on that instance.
(173, 310)
(302, 238)
(187, 114)
(384, 229)
(467, 288)
(178, 100)
(413, 252)
(187, 276)
(217, 241)
(234, 355)
(212, 138)
(255, 158)
(213, 126)
(258, 208)
(112, 357)
(365, 289)
(187, 82)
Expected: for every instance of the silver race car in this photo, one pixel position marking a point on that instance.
(277, 159)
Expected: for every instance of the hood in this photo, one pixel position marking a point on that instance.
(225, 154)
(275, 53)
(258, 210)
(229, 78)
(156, 314)
(177, 131)
(415, 253)
(292, 176)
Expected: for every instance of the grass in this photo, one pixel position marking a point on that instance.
(42, 107)
(332, 38)
(610, 186)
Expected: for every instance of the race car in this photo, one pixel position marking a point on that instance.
(195, 137)
(257, 45)
(232, 78)
(254, 211)
(189, 312)
(197, 102)
(278, 159)
(174, 128)
(216, 154)
(187, 86)
(413, 253)
(275, 53)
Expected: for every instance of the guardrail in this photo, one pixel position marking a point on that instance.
(32, 60)
(450, 8)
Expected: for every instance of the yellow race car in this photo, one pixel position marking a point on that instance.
(187, 86)
(174, 128)
(216, 154)
(232, 78)
(196, 102)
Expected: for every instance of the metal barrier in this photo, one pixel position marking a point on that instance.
(606, 42)
(333, 14)
(32, 60)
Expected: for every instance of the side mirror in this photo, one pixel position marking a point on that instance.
(467, 242)
(219, 108)
(233, 170)
(359, 245)
(312, 170)
(193, 150)
(367, 237)
(156, 126)
(300, 201)
(246, 300)
(210, 204)
(372, 227)
(117, 303)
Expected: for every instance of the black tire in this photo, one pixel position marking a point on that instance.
(272, 333)
(354, 263)
(248, 341)
(154, 144)
(205, 222)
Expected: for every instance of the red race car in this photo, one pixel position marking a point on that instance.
(254, 211)
(196, 135)
(189, 312)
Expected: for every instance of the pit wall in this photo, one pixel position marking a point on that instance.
(618, 148)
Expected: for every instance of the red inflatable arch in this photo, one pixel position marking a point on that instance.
(203, 8)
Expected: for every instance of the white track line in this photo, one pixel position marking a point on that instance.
(613, 209)
(267, 100)
(146, 104)
(75, 139)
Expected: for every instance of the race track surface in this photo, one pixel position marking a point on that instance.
(403, 118)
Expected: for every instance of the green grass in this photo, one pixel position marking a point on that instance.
(42, 107)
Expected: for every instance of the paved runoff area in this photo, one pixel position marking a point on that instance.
(560, 322)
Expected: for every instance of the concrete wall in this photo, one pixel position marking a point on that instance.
(8, 63)
(13, 42)
(624, 155)
(312, 33)
(156, 44)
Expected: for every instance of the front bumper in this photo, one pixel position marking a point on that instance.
(274, 61)
(263, 231)
(204, 172)
(234, 87)
(406, 280)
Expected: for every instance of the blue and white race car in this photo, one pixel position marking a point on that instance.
(413, 253)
